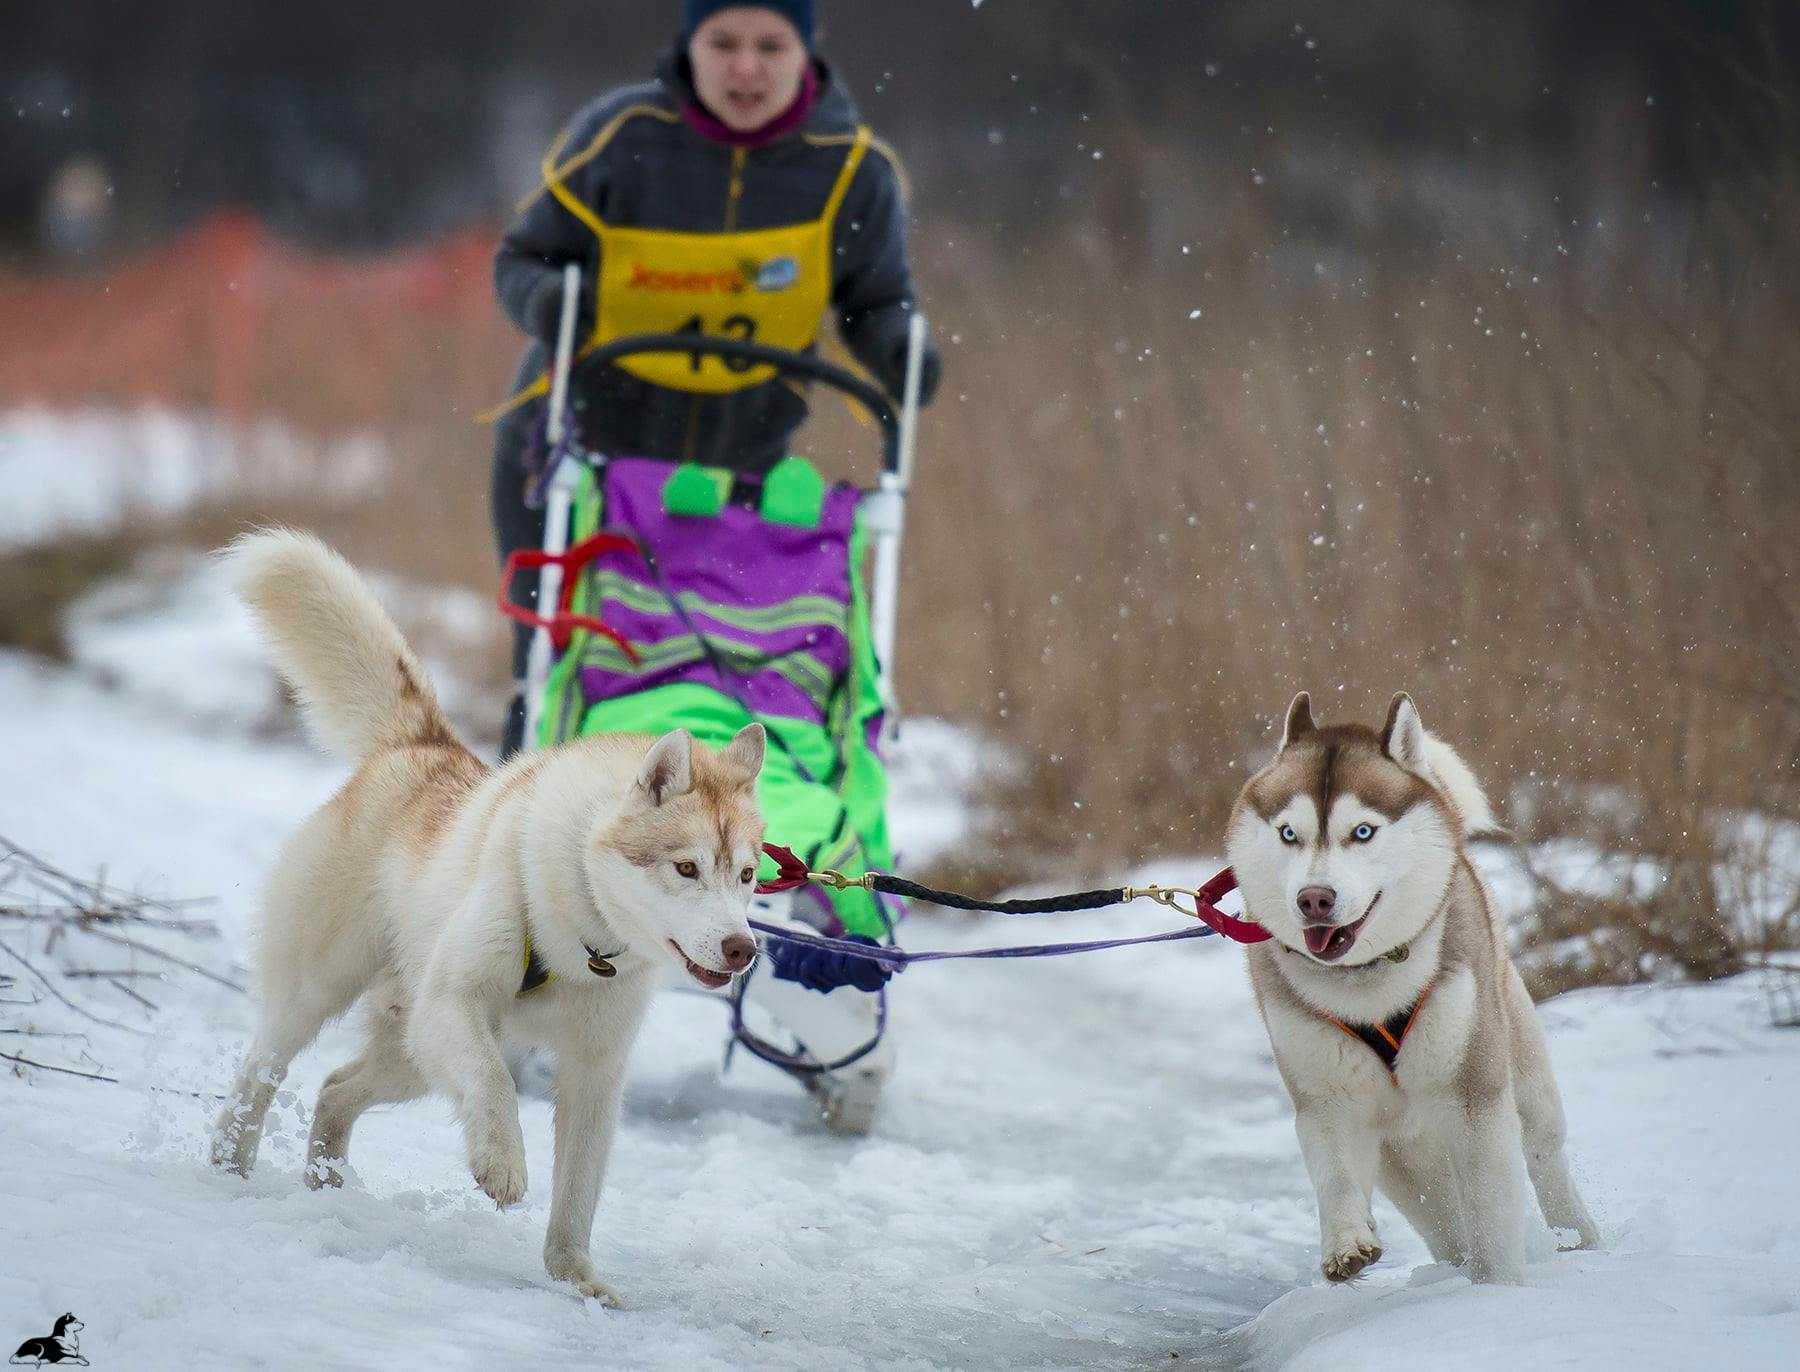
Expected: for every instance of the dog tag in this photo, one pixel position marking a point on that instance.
(600, 967)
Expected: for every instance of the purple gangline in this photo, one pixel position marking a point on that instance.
(899, 958)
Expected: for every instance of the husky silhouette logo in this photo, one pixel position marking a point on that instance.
(58, 1347)
(777, 274)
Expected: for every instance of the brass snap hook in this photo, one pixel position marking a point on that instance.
(1169, 896)
(837, 881)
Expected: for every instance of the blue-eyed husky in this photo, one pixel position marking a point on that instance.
(1399, 1023)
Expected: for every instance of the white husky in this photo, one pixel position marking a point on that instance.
(1399, 1023)
(539, 901)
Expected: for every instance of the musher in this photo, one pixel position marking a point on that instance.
(745, 148)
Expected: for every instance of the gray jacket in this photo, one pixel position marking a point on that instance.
(666, 174)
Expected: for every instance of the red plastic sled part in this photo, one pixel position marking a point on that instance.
(562, 624)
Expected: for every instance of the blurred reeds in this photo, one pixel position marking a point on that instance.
(1559, 503)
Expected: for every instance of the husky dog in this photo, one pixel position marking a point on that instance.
(538, 902)
(1399, 1023)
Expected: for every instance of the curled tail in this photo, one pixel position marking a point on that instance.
(359, 683)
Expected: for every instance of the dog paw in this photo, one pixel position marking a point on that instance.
(1587, 1239)
(1351, 1250)
(578, 1270)
(322, 1172)
(233, 1154)
(499, 1170)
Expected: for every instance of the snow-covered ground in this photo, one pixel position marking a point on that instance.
(1085, 1162)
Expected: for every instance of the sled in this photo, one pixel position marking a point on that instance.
(688, 596)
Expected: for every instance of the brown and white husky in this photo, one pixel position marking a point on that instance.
(1400, 1025)
(538, 902)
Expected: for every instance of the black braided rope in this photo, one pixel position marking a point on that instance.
(1050, 905)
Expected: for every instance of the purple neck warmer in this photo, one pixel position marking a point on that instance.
(704, 122)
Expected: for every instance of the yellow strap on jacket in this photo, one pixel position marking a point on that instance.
(766, 285)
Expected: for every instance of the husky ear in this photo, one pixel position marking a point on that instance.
(668, 768)
(1299, 719)
(745, 752)
(1404, 737)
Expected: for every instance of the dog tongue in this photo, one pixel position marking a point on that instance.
(1319, 938)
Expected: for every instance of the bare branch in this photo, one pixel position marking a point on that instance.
(93, 898)
(144, 1001)
(51, 988)
(114, 1081)
(104, 973)
(44, 1033)
(155, 952)
(52, 1067)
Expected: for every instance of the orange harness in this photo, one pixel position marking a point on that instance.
(1385, 1039)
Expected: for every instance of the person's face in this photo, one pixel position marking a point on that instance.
(748, 65)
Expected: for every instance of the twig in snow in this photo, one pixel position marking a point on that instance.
(51, 988)
(87, 919)
(92, 899)
(155, 952)
(144, 1001)
(106, 973)
(52, 1067)
(115, 1081)
(45, 1033)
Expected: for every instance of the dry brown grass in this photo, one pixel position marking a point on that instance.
(1557, 508)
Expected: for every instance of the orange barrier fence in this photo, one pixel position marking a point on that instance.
(228, 317)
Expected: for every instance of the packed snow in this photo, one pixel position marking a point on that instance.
(1082, 1162)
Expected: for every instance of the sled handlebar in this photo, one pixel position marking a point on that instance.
(790, 363)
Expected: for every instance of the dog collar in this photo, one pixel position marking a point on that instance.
(536, 974)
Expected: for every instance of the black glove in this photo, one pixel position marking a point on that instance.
(544, 311)
(931, 371)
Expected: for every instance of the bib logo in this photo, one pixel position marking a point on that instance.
(643, 278)
(777, 274)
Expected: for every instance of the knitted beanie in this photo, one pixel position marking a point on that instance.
(800, 13)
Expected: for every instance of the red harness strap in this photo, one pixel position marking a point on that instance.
(1207, 903)
(1385, 1039)
(792, 872)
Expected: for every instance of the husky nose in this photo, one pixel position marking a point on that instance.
(1317, 903)
(738, 951)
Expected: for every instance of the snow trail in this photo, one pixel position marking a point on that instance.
(1083, 1163)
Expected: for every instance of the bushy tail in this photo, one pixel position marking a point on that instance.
(1459, 783)
(361, 687)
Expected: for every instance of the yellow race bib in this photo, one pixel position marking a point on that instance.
(762, 285)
